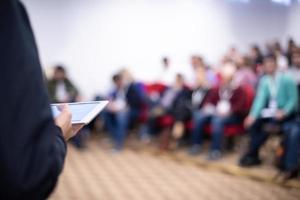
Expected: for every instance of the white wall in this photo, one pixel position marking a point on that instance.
(94, 38)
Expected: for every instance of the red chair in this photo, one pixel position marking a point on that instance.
(150, 89)
(155, 88)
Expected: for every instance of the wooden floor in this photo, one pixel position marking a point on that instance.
(98, 173)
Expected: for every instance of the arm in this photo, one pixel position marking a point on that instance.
(292, 92)
(32, 149)
(260, 99)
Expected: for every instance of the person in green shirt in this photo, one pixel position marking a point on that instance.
(275, 103)
(60, 88)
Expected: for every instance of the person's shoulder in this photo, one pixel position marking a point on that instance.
(287, 76)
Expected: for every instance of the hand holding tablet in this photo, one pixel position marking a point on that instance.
(82, 112)
(73, 116)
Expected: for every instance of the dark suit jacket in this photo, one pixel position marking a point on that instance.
(32, 149)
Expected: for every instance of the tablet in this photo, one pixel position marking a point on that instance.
(82, 112)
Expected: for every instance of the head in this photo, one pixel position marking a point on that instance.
(127, 77)
(277, 47)
(59, 73)
(179, 81)
(270, 64)
(197, 62)
(166, 62)
(255, 51)
(227, 73)
(233, 49)
(118, 80)
(242, 62)
(296, 58)
(291, 43)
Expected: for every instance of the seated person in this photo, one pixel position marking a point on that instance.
(245, 74)
(175, 102)
(201, 72)
(123, 109)
(275, 104)
(294, 71)
(61, 89)
(223, 105)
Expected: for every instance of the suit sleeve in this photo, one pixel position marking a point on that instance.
(32, 149)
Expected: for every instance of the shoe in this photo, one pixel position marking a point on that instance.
(290, 175)
(214, 155)
(249, 161)
(195, 149)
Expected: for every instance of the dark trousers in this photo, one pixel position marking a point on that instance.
(217, 123)
(292, 144)
(291, 131)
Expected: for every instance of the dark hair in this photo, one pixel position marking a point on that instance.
(256, 48)
(116, 78)
(60, 68)
(180, 76)
(270, 57)
(165, 59)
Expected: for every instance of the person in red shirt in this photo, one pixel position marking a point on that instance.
(223, 105)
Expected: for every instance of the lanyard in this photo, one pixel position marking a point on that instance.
(273, 84)
(225, 93)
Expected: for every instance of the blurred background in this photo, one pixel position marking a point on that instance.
(95, 38)
(168, 66)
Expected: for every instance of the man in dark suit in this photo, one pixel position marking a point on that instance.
(32, 147)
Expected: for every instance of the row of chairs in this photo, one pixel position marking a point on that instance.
(167, 121)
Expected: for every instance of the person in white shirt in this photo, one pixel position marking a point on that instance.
(166, 74)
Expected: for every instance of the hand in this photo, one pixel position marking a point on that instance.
(77, 127)
(280, 114)
(63, 120)
(249, 121)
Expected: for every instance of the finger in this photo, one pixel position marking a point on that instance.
(65, 111)
(60, 107)
(63, 107)
(77, 128)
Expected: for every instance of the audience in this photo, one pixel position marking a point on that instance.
(275, 104)
(223, 105)
(208, 99)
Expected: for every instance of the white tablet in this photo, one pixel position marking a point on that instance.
(82, 112)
